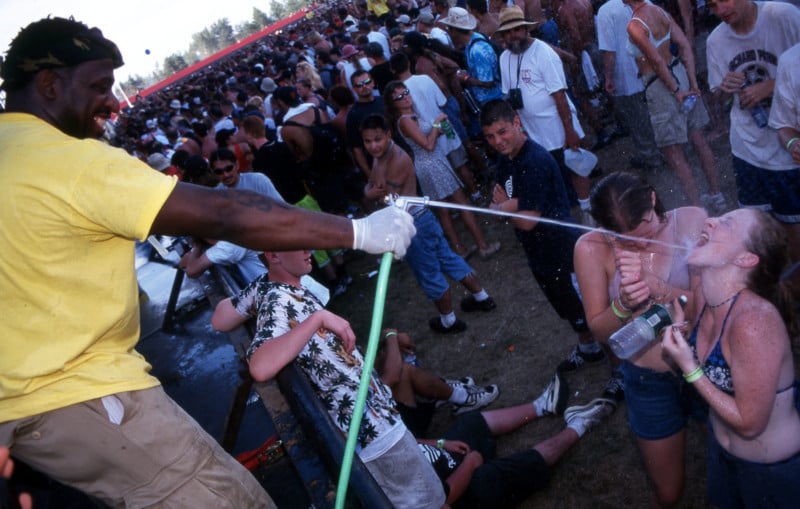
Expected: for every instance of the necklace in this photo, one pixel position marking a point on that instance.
(714, 306)
(636, 9)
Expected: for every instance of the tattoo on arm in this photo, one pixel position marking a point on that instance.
(253, 200)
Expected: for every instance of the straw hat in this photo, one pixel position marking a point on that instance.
(459, 18)
(512, 17)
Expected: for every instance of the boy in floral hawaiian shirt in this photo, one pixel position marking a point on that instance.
(292, 324)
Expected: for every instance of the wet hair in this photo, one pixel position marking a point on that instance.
(52, 43)
(375, 121)
(768, 240)
(222, 154)
(497, 110)
(621, 200)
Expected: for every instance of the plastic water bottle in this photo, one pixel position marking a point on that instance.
(688, 103)
(643, 330)
(760, 115)
(758, 112)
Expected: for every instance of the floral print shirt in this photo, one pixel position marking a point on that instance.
(333, 372)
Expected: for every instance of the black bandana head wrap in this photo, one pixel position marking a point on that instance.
(50, 43)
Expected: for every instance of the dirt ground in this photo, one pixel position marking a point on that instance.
(518, 345)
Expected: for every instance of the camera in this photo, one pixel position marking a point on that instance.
(515, 98)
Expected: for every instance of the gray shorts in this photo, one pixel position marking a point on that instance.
(670, 125)
(407, 478)
(156, 455)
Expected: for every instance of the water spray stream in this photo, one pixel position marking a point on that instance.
(407, 202)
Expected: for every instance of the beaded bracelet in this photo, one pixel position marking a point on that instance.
(791, 142)
(618, 313)
(694, 376)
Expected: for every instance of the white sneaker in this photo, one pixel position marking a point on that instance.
(477, 398)
(582, 418)
(465, 382)
(555, 395)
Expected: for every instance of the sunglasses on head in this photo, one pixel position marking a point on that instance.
(360, 84)
(399, 97)
(223, 170)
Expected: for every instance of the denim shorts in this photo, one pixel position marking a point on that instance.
(770, 190)
(656, 406)
(734, 483)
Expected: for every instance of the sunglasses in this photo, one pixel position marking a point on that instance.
(224, 170)
(362, 83)
(399, 97)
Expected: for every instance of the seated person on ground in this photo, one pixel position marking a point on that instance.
(292, 324)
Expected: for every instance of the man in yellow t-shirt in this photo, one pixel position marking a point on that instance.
(76, 400)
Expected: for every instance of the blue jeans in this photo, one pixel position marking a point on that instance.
(430, 257)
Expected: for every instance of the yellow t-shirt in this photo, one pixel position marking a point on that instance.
(69, 213)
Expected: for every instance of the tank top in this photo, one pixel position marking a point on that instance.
(634, 50)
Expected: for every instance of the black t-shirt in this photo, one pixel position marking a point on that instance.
(276, 161)
(534, 178)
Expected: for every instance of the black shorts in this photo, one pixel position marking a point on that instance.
(499, 482)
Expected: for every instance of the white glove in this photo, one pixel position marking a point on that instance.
(388, 229)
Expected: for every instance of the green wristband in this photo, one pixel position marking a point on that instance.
(694, 376)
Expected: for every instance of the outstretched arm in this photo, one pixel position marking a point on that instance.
(257, 222)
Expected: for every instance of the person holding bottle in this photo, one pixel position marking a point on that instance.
(743, 53)
(739, 360)
(619, 279)
(669, 83)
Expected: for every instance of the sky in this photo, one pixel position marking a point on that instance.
(162, 26)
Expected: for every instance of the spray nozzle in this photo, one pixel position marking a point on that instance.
(405, 202)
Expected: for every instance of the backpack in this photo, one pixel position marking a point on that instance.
(495, 47)
(330, 154)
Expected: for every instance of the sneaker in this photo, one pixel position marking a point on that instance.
(477, 398)
(465, 383)
(615, 387)
(469, 304)
(489, 251)
(576, 359)
(435, 324)
(582, 418)
(555, 396)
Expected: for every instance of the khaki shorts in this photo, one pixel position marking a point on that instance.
(156, 456)
(670, 125)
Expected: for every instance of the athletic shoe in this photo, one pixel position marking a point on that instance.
(582, 418)
(469, 304)
(555, 396)
(435, 324)
(615, 387)
(576, 359)
(465, 383)
(477, 398)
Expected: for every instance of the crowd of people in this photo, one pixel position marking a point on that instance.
(478, 103)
